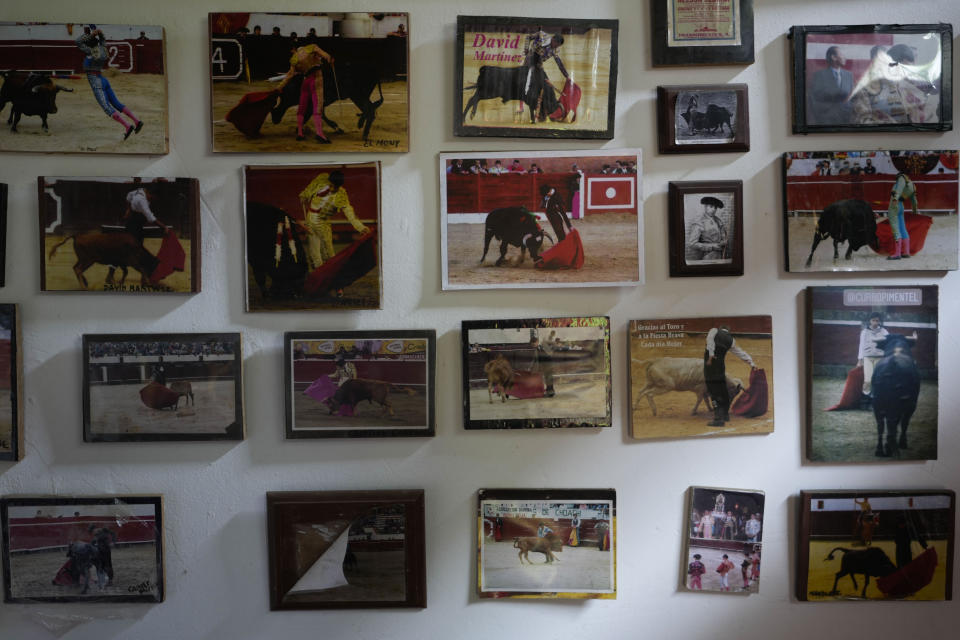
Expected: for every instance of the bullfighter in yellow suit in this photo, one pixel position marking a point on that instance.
(321, 200)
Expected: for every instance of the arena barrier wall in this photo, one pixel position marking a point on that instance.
(63, 56)
(524, 527)
(936, 192)
(141, 372)
(395, 371)
(42, 534)
(840, 524)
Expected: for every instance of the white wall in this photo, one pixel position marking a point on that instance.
(216, 557)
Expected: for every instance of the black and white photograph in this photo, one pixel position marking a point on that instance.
(79, 549)
(705, 117)
(542, 543)
(152, 387)
(706, 235)
(723, 541)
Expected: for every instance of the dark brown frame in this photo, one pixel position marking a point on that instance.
(798, 35)
(15, 445)
(541, 130)
(233, 431)
(193, 196)
(3, 233)
(285, 507)
(13, 501)
(429, 335)
(678, 265)
(693, 55)
(804, 524)
(547, 495)
(533, 422)
(667, 117)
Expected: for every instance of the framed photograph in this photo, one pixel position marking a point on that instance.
(541, 372)
(902, 539)
(312, 236)
(11, 383)
(94, 231)
(535, 77)
(707, 118)
(724, 540)
(672, 358)
(162, 387)
(84, 88)
(893, 210)
(91, 549)
(706, 228)
(3, 233)
(355, 384)
(346, 549)
(872, 373)
(579, 214)
(546, 525)
(296, 82)
(702, 32)
(872, 77)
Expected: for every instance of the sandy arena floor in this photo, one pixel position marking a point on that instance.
(851, 436)
(610, 250)
(61, 277)
(939, 250)
(822, 572)
(410, 410)
(6, 421)
(80, 125)
(134, 568)
(576, 569)
(117, 408)
(576, 397)
(389, 132)
(577, 53)
(674, 419)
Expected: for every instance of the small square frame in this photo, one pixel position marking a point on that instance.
(667, 118)
(678, 264)
(664, 55)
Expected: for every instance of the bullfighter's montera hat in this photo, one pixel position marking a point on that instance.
(715, 202)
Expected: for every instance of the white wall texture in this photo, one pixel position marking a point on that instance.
(215, 533)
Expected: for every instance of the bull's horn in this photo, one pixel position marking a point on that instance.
(63, 88)
(549, 236)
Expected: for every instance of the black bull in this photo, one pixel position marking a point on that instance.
(287, 274)
(513, 226)
(850, 221)
(347, 80)
(29, 95)
(508, 83)
(895, 387)
(868, 562)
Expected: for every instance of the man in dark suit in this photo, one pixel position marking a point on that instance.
(830, 90)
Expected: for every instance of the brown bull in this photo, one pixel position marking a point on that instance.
(112, 249)
(499, 374)
(546, 545)
(353, 392)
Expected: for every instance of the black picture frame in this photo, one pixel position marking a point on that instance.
(11, 446)
(665, 55)
(189, 367)
(702, 121)
(287, 509)
(825, 523)
(401, 393)
(521, 26)
(680, 263)
(848, 107)
(583, 345)
(3, 234)
(134, 589)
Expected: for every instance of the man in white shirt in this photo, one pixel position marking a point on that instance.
(139, 214)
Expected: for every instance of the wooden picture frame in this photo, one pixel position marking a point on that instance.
(11, 383)
(310, 247)
(127, 113)
(581, 523)
(710, 251)
(723, 543)
(561, 380)
(682, 127)
(906, 538)
(663, 351)
(149, 225)
(371, 58)
(131, 381)
(872, 77)
(586, 110)
(849, 386)
(308, 570)
(821, 189)
(681, 35)
(588, 205)
(328, 374)
(116, 541)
